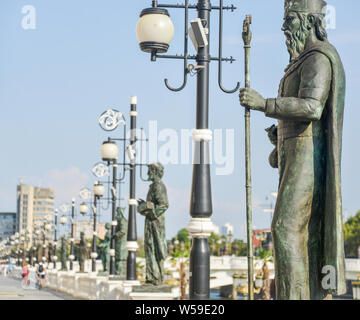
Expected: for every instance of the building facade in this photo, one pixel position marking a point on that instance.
(35, 207)
(7, 225)
(262, 239)
(227, 230)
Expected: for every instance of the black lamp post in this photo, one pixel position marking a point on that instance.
(98, 192)
(44, 243)
(55, 238)
(109, 121)
(109, 153)
(155, 38)
(132, 245)
(72, 253)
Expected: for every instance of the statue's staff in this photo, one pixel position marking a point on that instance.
(246, 35)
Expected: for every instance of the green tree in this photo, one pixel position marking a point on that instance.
(182, 236)
(242, 247)
(352, 235)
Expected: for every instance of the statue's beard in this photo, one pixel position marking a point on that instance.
(295, 42)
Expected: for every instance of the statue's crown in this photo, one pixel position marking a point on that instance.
(307, 6)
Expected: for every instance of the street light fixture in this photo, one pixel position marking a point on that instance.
(63, 220)
(83, 208)
(98, 191)
(155, 30)
(109, 121)
(72, 253)
(109, 151)
(54, 257)
(200, 226)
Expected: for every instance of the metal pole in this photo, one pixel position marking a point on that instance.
(93, 247)
(132, 234)
(55, 239)
(44, 242)
(247, 35)
(113, 224)
(72, 235)
(201, 202)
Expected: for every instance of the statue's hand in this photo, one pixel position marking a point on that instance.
(141, 207)
(252, 99)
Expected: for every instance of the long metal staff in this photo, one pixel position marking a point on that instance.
(246, 35)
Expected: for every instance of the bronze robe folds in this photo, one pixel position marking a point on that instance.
(155, 242)
(308, 226)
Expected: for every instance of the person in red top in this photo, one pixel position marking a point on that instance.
(25, 272)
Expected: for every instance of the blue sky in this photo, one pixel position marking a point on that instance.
(83, 57)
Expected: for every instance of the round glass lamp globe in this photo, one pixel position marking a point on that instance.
(156, 27)
(63, 219)
(99, 190)
(109, 151)
(83, 208)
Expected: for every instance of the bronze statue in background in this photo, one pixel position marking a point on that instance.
(82, 252)
(153, 209)
(104, 247)
(120, 243)
(307, 227)
(63, 253)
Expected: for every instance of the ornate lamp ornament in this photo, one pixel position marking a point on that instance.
(64, 207)
(100, 170)
(110, 119)
(85, 194)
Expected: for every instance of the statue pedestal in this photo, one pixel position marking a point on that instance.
(151, 292)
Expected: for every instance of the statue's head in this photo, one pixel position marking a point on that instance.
(155, 171)
(107, 225)
(82, 236)
(301, 18)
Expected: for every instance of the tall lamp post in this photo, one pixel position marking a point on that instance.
(109, 152)
(72, 253)
(98, 192)
(155, 32)
(54, 258)
(109, 121)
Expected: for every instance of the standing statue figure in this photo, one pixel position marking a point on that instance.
(63, 253)
(120, 243)
(82, 252)
(266, 282)
(105, 249)
(153, 210)
(307, 227)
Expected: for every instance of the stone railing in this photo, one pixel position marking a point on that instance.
(92, 286)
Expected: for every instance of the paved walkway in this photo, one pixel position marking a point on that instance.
(10, 289)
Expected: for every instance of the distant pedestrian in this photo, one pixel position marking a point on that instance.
(5, 270)
(11, 268)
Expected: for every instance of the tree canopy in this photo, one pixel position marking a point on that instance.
(352, 235)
